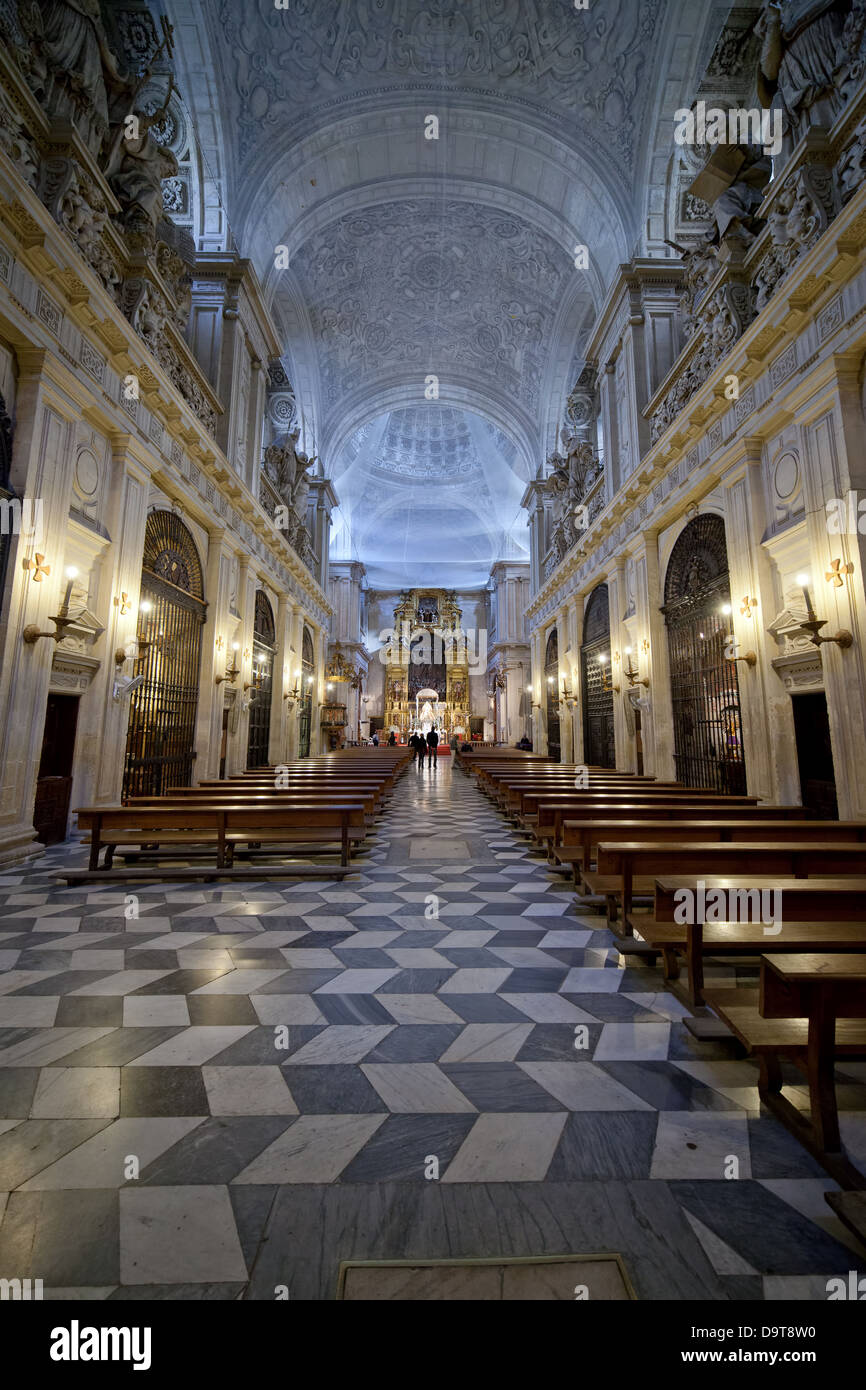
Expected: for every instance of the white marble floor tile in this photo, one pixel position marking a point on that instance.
(700, 1144)
(101, 1160)
(193, 1046)
(248, 1091)
(155, 1010)
(76, 1093)
(49, 1046)
(314, 1149)
(475, 981)
(28, 1011)
(240, 982)
(507, 1148)
(488, 1042)
(341, 1043)
(416, 1088)
(181, 1235)
(124, 982)
(286, 1008)
(418, 1008)
(568, 940)
(582, 1086)
(548, 1008)
(357, 982)
(633, 1042)
(586, 980)
(420, 958)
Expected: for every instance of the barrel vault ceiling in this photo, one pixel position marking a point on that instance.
(432, 313)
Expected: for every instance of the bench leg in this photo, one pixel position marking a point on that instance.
(671, 963)
(822, 1083)
(95, 846)
(612, 908)
(109, 856)
(769, 1075)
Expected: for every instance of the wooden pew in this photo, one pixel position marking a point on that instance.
(810, 1009)
(695, 941)
(580, 838)
(581, 806)
(623, 869)
(219, 828)
(807, 899)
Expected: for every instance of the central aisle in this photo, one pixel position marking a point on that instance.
(295, 1065)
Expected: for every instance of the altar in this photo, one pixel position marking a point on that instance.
(427, 677)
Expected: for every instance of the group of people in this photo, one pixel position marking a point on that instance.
(424, 747)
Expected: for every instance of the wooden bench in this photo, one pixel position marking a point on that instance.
(810, 1009)
(809, 899)
(697, 940)
(220, 829)
(554, 812)
(623, 869)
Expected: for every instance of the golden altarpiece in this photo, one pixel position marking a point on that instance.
(427, 657)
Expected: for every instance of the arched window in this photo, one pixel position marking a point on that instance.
(307, 679)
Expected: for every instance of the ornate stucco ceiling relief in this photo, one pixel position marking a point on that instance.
(584, 66)
(421, 286)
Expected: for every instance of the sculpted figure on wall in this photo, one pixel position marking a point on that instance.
(804, 53)
(72, 66)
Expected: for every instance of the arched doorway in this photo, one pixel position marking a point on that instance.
(306, 711)
(264, 650)
(551, 685)
(599, 748)
(708, 744)
(160, 740)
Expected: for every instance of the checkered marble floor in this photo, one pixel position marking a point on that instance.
(220, 1092)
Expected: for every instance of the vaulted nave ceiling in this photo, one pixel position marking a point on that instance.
(411, 258)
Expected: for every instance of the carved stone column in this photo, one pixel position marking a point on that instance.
(45, 420)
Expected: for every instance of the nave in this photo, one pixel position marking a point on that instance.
(407, 1036)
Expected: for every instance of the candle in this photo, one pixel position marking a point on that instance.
(803, 581)
(71, 574)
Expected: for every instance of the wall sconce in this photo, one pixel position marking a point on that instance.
(61, 620)
(605, 683)
(631, 673)
(295, 694)
(233, 671)
(813, 623)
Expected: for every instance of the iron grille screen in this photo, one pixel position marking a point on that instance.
(551, 681)
(705, 696)
(708, 746)
(160, 741)
(599, 749)
(264, 648)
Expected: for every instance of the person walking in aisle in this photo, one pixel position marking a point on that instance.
(433, 745)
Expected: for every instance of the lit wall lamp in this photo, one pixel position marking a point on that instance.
(750, 658)
(631, 673)
(233, 671)
(813, 623)
(605, 682)
(61, 620)
(295, 694)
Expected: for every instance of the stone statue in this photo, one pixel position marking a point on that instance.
(135, 170)
(802, 55)
(72, 66)
(734, 209)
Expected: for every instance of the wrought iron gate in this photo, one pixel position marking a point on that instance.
(160, 741)
(305, 716)
(264, 648)
(708, 745)
(7, 495)
(551, 685)
(599, 747)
